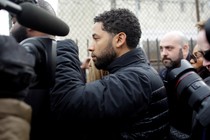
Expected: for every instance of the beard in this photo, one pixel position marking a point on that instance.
(106, 57)
(169, 63)
(19, 34)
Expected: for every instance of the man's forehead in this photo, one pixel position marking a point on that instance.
(98, 28)
(169, 43)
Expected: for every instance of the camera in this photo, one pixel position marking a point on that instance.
(191, 88)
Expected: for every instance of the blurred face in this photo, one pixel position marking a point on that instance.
(103, 52)
(170, 52)
(197, 58)
(204, 46)
(18, 31)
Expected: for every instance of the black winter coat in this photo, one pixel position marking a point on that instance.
(129, 103)
(42, 122)
(38, 94)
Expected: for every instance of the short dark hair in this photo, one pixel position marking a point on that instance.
(121, 20)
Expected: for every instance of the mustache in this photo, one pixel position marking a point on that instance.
(92, 55)
(165, 58)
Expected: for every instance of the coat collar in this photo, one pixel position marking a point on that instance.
(132, 57)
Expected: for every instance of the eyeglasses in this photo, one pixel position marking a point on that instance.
(196, 55)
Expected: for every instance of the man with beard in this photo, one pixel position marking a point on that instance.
(128, 103)
(20, 32)
(38, 94)
(174, 47)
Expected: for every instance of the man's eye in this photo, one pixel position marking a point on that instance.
(170, 48)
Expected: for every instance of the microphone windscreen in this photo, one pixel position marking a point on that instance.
(38, 19)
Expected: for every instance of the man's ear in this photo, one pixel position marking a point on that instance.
(28, 30)
(186, 47)
(32, 33)
(120, 39)
(185, 50)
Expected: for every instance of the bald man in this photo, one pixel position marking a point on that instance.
(173, 48)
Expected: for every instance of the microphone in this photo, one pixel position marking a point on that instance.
(32, 16)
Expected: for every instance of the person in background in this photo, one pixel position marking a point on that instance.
(15, 115)
(197, 62)
(201, 132)
(128, 103)
(204, 46)
(38, 94)
(173, 48)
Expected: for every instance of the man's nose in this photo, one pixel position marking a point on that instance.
(91, 47)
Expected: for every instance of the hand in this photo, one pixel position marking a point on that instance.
(86, 64)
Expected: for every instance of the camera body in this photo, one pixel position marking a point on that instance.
(190, 87)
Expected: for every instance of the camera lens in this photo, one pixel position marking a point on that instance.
(188, 84)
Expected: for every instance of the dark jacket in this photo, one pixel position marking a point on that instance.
(38, 95)
(44, 50)
(129, 103)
